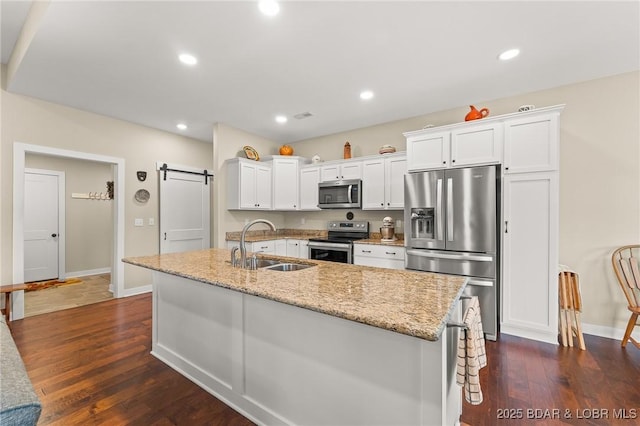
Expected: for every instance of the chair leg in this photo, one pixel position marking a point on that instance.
(627, 334)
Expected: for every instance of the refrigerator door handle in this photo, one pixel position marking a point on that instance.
(472, 257)
(479, 283)
(450, 209)
(439, 230)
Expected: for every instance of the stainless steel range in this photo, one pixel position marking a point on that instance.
(338, 246)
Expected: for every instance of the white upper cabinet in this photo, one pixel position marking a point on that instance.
(285, 170)
(341, 171)
(248, 185)
(309, 179)
(480, 144)
(383, 182)
(428, 150)
(531, 143)
(463, 146)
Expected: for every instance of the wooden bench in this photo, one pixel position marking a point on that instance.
(7, 290)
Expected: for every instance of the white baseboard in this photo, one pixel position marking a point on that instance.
(608, 332)
(88, 272)
(137, 290)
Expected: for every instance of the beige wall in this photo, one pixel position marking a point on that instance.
(228, 143)
(88, 223)
(599, 176)
(33, 121)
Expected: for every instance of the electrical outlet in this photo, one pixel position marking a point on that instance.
(152, 221)
(139, 222)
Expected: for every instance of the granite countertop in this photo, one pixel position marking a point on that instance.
(305, 234)
(298, 234)
(379, 242)
(413, 303)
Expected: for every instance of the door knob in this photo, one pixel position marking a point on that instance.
(54, 235)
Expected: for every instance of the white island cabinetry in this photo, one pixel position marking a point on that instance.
(272, 345)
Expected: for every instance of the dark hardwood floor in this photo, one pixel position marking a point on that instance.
(91, 365)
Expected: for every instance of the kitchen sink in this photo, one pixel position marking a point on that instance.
(285, 267)
(262, 263)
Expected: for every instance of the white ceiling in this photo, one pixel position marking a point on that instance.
(120, 58)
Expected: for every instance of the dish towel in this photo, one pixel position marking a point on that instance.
(472, 354)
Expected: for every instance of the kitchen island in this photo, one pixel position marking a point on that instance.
(332, 344)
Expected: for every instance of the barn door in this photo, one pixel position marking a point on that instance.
(184, 209)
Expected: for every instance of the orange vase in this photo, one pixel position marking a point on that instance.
(474, 114)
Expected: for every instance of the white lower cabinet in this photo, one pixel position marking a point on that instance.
(530, 256)
(268, 246)
(298, 248)
(282, 247)
(382, 256)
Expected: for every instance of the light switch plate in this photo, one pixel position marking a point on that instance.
(139, 222)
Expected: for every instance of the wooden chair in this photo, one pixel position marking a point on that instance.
(570, 307)
(625, 265)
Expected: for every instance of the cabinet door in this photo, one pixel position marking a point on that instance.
(304, 249)
(373, 184)
(281, 247)
(531, 144)
(395, 169)
(268, 246)
(430, 151)
(530, 256)
(262, 187)
(285, 184)
(309, 179)
(481, 144)
(248, 186)
(293, 248)
(331, 172)
(351, 170)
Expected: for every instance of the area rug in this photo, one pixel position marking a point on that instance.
(41, 285)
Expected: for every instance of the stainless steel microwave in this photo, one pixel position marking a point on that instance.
(340, 194)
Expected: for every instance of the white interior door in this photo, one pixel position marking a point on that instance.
(43, 195)
(184, 210)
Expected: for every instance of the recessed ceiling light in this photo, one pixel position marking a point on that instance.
(181, 126)
(281, 119)
(188, 59)
(366, 95)
(509, 54)
(269, 7)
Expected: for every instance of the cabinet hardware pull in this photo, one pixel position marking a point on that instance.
(506, 226)
(382, 204)
(54, 235)
(390, 252)
(453, 161)
(444, 162)
(165, 236)
(366, 251)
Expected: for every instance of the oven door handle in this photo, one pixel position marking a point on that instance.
(344, 247)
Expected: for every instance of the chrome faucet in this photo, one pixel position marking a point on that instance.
(243, 248)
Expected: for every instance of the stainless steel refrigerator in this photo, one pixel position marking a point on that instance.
(451, 222)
